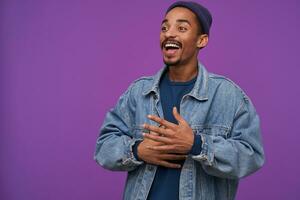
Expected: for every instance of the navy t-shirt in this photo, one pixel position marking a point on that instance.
(166, 182)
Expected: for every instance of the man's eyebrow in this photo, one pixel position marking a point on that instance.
(183, 20)
(164, 21)
(178, 20)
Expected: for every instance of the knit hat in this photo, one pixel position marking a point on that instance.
(203, 15)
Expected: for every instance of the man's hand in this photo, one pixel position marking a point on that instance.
(173, 138)
(157, 157)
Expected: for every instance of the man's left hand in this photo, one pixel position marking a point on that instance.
(177, 139)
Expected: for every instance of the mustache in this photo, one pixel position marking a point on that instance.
(170, 41)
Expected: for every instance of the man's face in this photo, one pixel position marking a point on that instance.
(179, 36)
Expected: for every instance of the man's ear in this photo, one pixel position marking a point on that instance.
(202, 41)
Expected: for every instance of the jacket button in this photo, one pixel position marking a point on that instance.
(150, 168)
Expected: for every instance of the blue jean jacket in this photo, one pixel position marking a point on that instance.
(216, 109)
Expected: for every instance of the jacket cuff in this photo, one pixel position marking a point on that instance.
(130, 159)
(134, 150)
(197, 146)
(206, 155)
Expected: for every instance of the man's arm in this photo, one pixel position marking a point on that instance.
(239, 155)
(114, 144)
(234, 157)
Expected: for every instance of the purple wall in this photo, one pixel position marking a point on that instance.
(63, 65)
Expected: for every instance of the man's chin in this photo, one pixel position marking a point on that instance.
(171, 62)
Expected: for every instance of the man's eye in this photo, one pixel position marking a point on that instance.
(164, 28)
(182, 29)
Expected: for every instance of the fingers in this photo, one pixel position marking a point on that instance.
(163, 122)
(151, 133)
(173, 157)
(178, 116)
(167, 149)
(158, 138)
(159, 130)
(169, 164)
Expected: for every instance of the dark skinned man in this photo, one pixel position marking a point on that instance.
(184, 133)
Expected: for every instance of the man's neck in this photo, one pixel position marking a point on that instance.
(183, 73)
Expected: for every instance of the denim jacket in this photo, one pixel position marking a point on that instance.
(216, 109)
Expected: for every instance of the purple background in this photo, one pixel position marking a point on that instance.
(63, 64)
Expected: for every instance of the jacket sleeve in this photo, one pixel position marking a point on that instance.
(238, 155)
(115, 142)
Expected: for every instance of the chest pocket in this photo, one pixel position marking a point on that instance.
(211, 130)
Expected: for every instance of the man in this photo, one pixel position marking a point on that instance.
(183, 133)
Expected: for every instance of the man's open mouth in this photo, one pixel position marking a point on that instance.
(171, 45)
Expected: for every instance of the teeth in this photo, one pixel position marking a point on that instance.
(171, 45)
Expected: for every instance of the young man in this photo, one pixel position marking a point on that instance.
(184, 133)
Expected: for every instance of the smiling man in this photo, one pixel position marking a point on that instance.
(184, 133)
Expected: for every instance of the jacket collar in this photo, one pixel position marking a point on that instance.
(199, 91)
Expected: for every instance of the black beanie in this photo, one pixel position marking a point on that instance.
(203, 15)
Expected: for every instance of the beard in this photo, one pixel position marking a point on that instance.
(171, 63)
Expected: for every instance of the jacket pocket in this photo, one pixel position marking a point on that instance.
(212, 130)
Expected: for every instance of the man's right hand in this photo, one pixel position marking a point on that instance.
(157, 157)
